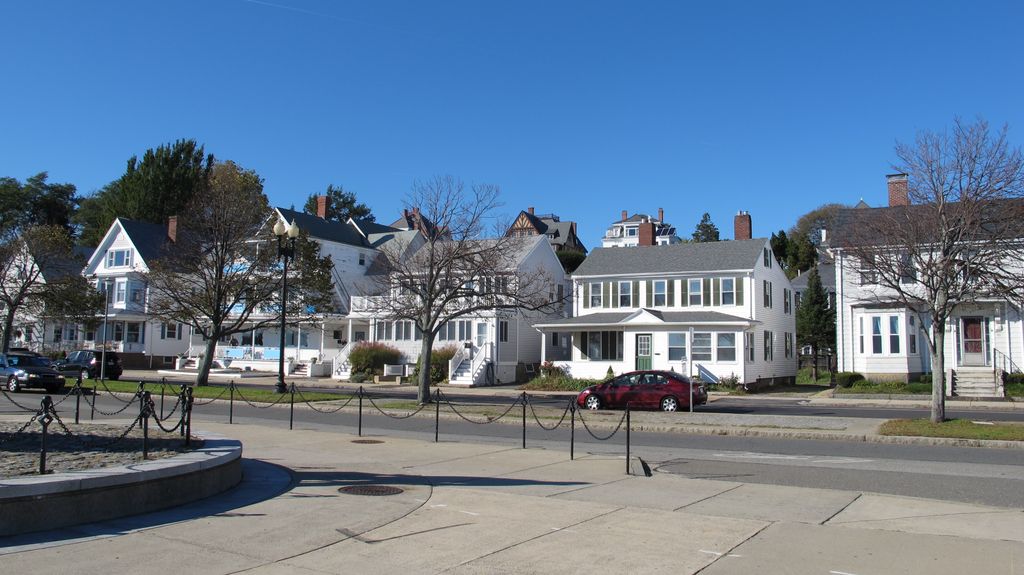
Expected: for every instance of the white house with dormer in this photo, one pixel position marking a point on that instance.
(717, 310)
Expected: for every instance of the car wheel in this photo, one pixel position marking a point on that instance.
(593, 402)
(669, 404)
(85, 374)
(12, 385)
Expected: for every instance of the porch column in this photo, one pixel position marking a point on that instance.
(323, 333)
(543, 347)
(349, 332)
(252, 343)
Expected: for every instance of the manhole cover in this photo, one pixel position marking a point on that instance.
(374, 490)
(367, 441)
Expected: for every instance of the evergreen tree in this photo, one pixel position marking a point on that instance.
(341, 205)
(815, 320)
(801, 255)
(36, 203)
(780, 246)
(706, 230)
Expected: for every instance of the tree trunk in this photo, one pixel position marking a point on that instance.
(938, 348)
(814, 364)
(8, 326)
(206, 362)
(423, 385)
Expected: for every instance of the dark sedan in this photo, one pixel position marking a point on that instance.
(25, 370)
(664, 390)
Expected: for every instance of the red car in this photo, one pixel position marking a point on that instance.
(665, 390)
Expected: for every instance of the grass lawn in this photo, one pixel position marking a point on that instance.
(956, 428)
(561, 383)
(214, 390)
(804, 377)
(1015, 389)
(887, 388)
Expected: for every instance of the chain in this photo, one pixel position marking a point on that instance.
(209, 401)
(170, 414)
(607, 437)
(407, 416)
(114, 394)
(490, 420)
(279, 399)
(118, 412)
(20, 406)
(66, 395)
(311, 406)
(88, 445)
(22, 429)
(537, 419)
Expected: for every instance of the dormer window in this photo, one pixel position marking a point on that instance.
(119, 258)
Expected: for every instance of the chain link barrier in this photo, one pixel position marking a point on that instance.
(607, 437)
(15, 434)
(213, 399)
(18, 405)
(443, 396)
(238, 390)
(114, 393)
(407, 416)
(560, 420)
(318, 410)
(92, 404)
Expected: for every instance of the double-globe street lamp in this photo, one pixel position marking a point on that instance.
(285, 252)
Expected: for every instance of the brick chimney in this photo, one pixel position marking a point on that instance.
(742, 227)
(898, 192)
(530, 210)
(661, 215)
(645, 234)
(321, 207)
(172, 228)
(624, 215)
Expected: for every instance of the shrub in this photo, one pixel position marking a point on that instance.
(610, 373)
(1013, 378)
(370, 357)
(549, 369)
(925, 378)
(559, 383)
(730, 382)
(357, 377)
(439, 359)
(847, 378)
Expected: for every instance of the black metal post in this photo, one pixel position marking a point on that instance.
(437, 415)
(523, 399)
(291, 409)
(627, 438)
(572, 431)
(144, 412)
(78, 397)
(92, 409)
(46, 407)
(188, 418)
(360, 411)
(162, 386)
(285, 251)
(231, 402)
(183, 398)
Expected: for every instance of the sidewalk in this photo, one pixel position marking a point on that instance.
(470, 508)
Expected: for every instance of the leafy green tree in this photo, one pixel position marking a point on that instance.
(813, 222)
(36, 203)
(570, 259)
(341, 205)
(706, 230)
(802, 255)
(780, 246)
(159, 185)
(815, 320)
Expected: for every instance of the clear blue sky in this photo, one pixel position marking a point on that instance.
(579, 108)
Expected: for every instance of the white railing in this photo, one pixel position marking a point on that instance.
(340, 365)
(456, 361)
(481, 360)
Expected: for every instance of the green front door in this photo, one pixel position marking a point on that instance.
(643, 351)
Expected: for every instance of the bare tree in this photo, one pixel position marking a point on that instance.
(958, 241)
(35, 264)
(451, 269)
(218, 275)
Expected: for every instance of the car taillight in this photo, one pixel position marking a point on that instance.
(92, 361)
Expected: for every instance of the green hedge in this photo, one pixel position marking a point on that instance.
(369, 358)
(1014, 378)
(439, 359)
(848, 378)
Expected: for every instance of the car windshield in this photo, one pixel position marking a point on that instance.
(28, 360)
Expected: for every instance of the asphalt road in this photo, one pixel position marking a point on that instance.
(975, 475)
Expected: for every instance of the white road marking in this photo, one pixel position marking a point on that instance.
(715, 553)
(439, 505)
(841, 573)
(779, 456)
(470, 513)
(983, 422)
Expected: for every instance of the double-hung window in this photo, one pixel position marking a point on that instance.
(894, 334)
(120, 291)
(701, 346)
(660, 298)
(787, 301)
(695, 291)
(748, 344)
(912, 336)
(625, 294)
(595, 294)
(788, 342)
(119, 258)
(860, 333)
(876, 334)
(503, 330)
(677, 346)
(769, 345)
(767, 293)
(726, 347)
(603, 345)
(728, 291)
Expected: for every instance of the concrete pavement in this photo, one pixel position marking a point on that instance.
(471, 508)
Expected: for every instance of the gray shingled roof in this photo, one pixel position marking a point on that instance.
(149, 238)
(827, 272)
(668, 317)
(687, 257)
(340, 232)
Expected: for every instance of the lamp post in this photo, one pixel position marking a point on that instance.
(285, 252)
